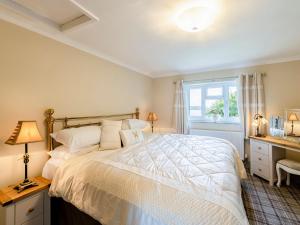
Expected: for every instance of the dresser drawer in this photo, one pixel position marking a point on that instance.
(261, 170)
(260, 147)
(29, 208)
(35, 221)
(259, 158)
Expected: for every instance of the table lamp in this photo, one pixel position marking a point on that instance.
(24, 133)
(257, 122)
(293, 117)
(152, 117)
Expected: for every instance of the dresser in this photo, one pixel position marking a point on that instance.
(30, 207)
(265, 152)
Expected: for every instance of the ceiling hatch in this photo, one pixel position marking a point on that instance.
(63, 14)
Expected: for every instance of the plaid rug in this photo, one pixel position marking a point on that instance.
(271, 205)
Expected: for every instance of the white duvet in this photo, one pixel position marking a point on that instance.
(167, 180)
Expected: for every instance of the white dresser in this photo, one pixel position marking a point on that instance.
(30, 207)
(265, 152)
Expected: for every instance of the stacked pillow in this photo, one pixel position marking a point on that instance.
(64, 153)
(77, 138)
(82, 140)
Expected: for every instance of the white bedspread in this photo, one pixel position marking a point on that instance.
(167, 180)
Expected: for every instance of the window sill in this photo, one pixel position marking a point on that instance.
(215, 122)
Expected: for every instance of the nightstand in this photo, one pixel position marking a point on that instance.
(30, 207)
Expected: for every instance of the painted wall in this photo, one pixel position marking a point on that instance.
(282, 84)
(37, 73)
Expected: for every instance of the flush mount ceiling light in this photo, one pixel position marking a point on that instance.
(196, 16)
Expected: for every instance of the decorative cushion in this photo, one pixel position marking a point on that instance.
(76, 138)
(134, 124)
(130, 137)
(110, 137)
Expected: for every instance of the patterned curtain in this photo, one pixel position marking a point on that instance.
(251, 100)
(180, 118)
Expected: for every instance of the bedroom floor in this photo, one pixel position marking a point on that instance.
(271, 205)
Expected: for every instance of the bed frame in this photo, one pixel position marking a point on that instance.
(81, 121)
(62, 212)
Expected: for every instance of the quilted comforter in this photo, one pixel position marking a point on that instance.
(166, 180)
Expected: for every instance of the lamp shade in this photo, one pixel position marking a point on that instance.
(293, 117)
(25, 132)
(152, 117)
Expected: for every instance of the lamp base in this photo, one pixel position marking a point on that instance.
(25, 185)
(260, 135)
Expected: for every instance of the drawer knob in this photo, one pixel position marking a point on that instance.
(259, 158)
(30, 210)
(259, 148)
(259, 170)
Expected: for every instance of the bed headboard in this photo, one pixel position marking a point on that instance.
(69, 122)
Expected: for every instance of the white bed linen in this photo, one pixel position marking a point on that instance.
(53, 163)
(51, 166)
(168, 179)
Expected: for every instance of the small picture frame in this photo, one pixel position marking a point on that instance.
(277, 126)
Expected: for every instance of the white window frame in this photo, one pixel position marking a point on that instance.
(225, 95)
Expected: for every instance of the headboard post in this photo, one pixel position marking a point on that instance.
(137, 113)
(49, 127)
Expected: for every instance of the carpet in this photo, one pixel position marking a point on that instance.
(271, 205)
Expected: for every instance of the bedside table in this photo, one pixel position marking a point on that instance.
(29, 207)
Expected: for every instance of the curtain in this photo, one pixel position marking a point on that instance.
(180, 115)
(251, 100)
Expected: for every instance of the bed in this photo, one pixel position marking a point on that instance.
(167, 179)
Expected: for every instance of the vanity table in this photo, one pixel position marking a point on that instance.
(265, 152)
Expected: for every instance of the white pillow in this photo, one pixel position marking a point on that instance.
(76, 138)
(134, 124)
(125, 125)
(130, 137)
(110, 137)
(64, 153)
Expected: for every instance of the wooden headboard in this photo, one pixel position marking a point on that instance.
(70, 122)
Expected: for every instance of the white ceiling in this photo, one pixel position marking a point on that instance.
(141, 35)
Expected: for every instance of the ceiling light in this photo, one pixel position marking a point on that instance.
(196, 16)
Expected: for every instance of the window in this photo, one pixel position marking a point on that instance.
(213, 101)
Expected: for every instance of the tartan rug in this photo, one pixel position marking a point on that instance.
(271, 205)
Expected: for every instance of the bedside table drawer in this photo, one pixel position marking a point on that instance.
(260, 158)
(260, 147)
(35, 221)
(29, 208)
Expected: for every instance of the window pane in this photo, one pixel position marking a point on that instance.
(215, 91)
(214, 107)
(195, 97)
(233, 106)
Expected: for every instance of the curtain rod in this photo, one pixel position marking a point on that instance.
(209, 80)
(215, 79)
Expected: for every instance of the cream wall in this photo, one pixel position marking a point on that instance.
(282, 85)
(37, 73)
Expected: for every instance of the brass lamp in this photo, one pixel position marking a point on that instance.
(293, 117)
(24, 133)
(257, 122)
(152, 117)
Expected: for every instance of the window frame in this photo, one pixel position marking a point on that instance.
(225, 85)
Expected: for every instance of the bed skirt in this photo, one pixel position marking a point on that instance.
(64, 213)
